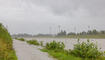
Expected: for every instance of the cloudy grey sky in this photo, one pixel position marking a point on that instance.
(37, 16)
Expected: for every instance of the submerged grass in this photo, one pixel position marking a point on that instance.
(6, 49)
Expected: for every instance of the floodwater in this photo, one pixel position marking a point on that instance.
(70, 42)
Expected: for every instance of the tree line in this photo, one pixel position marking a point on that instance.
(89, 32)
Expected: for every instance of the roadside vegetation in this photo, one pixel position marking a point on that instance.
(33, 42)
(82, 51)
(21, 39)
(6, 48)
(56, 46)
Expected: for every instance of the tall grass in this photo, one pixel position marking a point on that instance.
(6, 49)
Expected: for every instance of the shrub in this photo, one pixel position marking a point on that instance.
(82, 51)
(57, 46)
(86, 50)
(33, 42)
(6, 48)
(41, 43)
(21, 39)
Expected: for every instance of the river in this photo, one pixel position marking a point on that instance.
(69, 42)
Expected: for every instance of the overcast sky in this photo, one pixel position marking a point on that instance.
(41, 16)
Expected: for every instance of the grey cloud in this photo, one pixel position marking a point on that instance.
(23, 15)
(93, 7)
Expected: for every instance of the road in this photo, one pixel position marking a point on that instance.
(29, 52)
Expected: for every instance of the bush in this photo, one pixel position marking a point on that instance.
(82, 51)
(6, 48)
(33, 42)
(21, 39)
(41, 43)
(55, 46)
(86, 50)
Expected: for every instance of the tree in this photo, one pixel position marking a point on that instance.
(71, 33)
(83, 33)
(95, 31)
(89, 32)
(102, 32)
(62, 33)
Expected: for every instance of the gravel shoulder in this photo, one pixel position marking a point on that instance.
(29, 52)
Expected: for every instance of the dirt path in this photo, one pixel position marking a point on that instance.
(29, 52)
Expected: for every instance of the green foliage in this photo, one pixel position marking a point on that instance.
(21, 39)
(89, 32)
(86, 50)
(55, 46)
(5, 35)
(33, 42)
(60, 55)
(62, 33)
(6, 49)
(41, 43)
(82, 51)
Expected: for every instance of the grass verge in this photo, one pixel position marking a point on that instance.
(65, 56)
(60, 55)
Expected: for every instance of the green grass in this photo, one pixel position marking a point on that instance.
(64, 56)
(21, 39)
(60, 55)
(33, 42)
(6, 49)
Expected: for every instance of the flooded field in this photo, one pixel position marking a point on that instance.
(70, 42)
